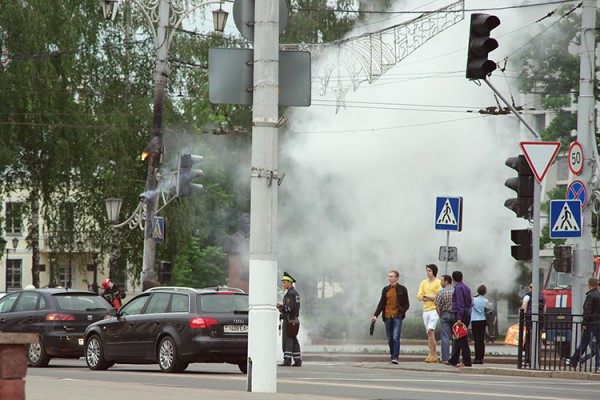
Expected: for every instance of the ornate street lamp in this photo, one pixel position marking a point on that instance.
(109, 7)
(113, 208)
(220, 18)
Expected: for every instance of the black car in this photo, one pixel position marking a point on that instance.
(173, 326)
(58, 316)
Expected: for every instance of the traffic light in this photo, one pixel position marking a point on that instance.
(480, 44)
(522, 205)
(563, 258)
(523, 251)
(186, 175)
(165, 272)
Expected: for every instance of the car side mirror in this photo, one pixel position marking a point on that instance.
(113, 312)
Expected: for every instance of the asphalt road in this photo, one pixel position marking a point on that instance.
(315, 380)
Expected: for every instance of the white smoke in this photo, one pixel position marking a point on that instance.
(360, 188)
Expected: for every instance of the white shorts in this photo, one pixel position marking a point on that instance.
(430, 319)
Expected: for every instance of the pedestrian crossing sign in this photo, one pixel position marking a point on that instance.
(565, 219)
(448, 213)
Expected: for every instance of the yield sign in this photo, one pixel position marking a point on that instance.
(540, 155)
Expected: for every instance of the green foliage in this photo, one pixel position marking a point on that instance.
(199, 267)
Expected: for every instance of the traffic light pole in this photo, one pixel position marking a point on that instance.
(535, 241)
(586, 128)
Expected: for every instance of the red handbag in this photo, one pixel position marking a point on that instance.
(459, 330)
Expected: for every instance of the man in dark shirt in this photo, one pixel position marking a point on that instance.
(461, 307)
(590, 325)
(393, 303)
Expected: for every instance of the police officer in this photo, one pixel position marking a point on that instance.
(290, 310)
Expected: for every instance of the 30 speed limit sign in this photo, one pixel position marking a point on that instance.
(576, 158)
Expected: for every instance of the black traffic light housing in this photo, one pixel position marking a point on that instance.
(563, 258)
(480, 45)
(523, 184)
(185, 175)
(523, 251)
(165, 272)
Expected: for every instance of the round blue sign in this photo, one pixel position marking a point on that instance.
(577, 191)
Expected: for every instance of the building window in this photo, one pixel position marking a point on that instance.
(13, 274)
(14, 218)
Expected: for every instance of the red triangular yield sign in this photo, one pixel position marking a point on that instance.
(540, 155)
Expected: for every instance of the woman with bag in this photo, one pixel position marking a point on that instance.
(290, 310)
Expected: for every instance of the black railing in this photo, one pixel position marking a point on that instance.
(559, 337)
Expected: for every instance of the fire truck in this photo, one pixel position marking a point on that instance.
(557, 287)
(557, 291)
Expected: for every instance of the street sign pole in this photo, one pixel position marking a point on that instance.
(446, 250)
(535, 272)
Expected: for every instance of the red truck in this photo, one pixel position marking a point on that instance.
(558, 294)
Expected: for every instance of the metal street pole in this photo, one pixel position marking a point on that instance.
(263, 315)
(166, 14)
(586, 128)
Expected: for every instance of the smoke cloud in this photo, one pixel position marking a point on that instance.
(361, 184)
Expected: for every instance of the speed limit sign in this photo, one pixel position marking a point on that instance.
(575, 158)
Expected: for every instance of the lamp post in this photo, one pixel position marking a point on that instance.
(3, 242)
(161, 16)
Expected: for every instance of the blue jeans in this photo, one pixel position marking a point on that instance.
(393, 328)
(446, 321)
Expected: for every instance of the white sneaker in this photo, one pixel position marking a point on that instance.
(394, 361)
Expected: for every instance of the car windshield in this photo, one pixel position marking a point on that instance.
(81, 302)
(558, 280)
(223, 303)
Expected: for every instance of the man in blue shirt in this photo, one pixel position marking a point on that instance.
(461, 306)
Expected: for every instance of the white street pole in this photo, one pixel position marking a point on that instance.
(586, 128)
(263, 315)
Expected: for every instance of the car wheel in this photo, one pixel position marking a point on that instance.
(168, 359)
(243, 366)
(94, 355)
(36, 354)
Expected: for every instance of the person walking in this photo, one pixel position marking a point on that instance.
(393, 303)
(461, 306)
(427, 291)
(590, 325)
(479, 323)
(112, 293)
(443, 304)
(289, 313)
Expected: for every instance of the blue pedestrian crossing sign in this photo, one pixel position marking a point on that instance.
(158, 229)
(448, 213)
(565, 219)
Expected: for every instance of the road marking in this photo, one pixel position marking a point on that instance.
(445, 391)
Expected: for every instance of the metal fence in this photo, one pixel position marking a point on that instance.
(559, 337)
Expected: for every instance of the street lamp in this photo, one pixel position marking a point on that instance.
(113, 208)
(164, 18)
(220, 18)
(15, 243)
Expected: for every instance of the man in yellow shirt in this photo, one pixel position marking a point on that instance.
(427, 291)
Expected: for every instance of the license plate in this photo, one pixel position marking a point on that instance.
(80, 341)
(235, 328)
